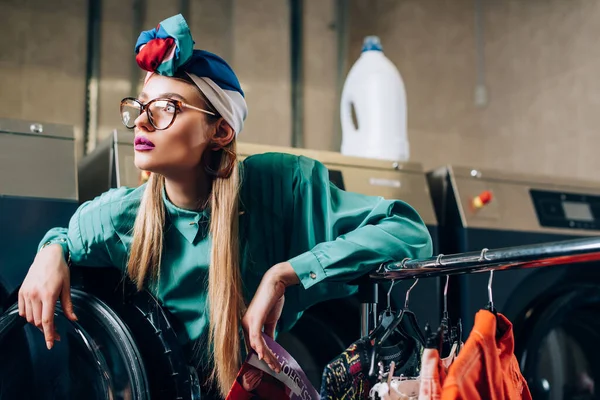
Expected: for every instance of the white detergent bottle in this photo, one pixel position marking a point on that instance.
(373, 107)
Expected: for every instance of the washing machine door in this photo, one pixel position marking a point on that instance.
(324, 332)
(122, 347)
(558, 340)
(3, 295)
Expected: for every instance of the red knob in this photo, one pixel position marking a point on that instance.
(484, 198)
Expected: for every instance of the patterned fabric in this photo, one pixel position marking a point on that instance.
(169, 50)
(165, 48)
(346, 377)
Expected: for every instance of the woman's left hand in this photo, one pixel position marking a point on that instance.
(265, 309)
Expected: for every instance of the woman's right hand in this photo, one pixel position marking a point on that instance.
(47, 279)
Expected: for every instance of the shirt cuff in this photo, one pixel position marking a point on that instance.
(308, 268)
(62, 242)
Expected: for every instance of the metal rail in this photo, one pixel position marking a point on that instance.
(520, 257)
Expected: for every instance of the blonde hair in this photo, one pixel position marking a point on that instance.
(225, 296)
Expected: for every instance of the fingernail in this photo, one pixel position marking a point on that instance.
(49, 344)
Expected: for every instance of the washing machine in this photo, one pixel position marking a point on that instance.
(555, 311)
(124, 345)
(328, 328)
(38, 191)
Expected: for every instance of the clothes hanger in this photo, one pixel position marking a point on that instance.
(451, 335)
(386, 318)
(407, 322)
(406, 339)
(490, 306)
(399, 341)
(433, 339)
(445, 324)
(459, 333)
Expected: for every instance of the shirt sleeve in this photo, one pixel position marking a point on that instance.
(348, 234)
(91, 238)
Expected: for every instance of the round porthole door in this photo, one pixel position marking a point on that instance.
(557, 344)
(123, 346)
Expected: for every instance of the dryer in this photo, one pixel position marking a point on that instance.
(554, 310)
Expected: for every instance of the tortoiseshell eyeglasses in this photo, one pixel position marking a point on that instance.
(161, 112)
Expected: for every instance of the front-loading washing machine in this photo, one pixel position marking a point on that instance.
(123, 346)
(555, 311)
(38, 191)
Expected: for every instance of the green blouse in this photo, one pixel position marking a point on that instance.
(290, 212)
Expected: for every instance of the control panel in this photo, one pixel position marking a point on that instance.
(499, 200)
(566, 210)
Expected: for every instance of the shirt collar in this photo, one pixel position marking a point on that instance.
(187, 222)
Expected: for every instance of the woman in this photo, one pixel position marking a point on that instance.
(217, 241)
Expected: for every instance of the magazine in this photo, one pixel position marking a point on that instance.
(257, 381)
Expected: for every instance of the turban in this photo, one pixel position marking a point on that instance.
(168, 50)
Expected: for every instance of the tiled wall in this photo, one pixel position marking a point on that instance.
(541, 70)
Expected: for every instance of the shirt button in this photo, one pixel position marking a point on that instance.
(313, 275)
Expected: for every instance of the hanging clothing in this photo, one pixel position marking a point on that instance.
(433, 373)
(346, 377)
(447, 361)
(486, 368)
(289, 211)
(396, 389)
(405, 389)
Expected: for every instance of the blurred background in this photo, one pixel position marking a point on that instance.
(71, 62)
(502, 100)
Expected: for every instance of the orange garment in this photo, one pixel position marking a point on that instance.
(486, 368)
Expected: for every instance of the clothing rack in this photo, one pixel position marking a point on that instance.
(573, 251)
(531, 256)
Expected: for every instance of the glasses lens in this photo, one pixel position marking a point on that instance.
(130, 110)
(162, 113)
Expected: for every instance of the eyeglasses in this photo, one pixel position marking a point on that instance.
(161, 112)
